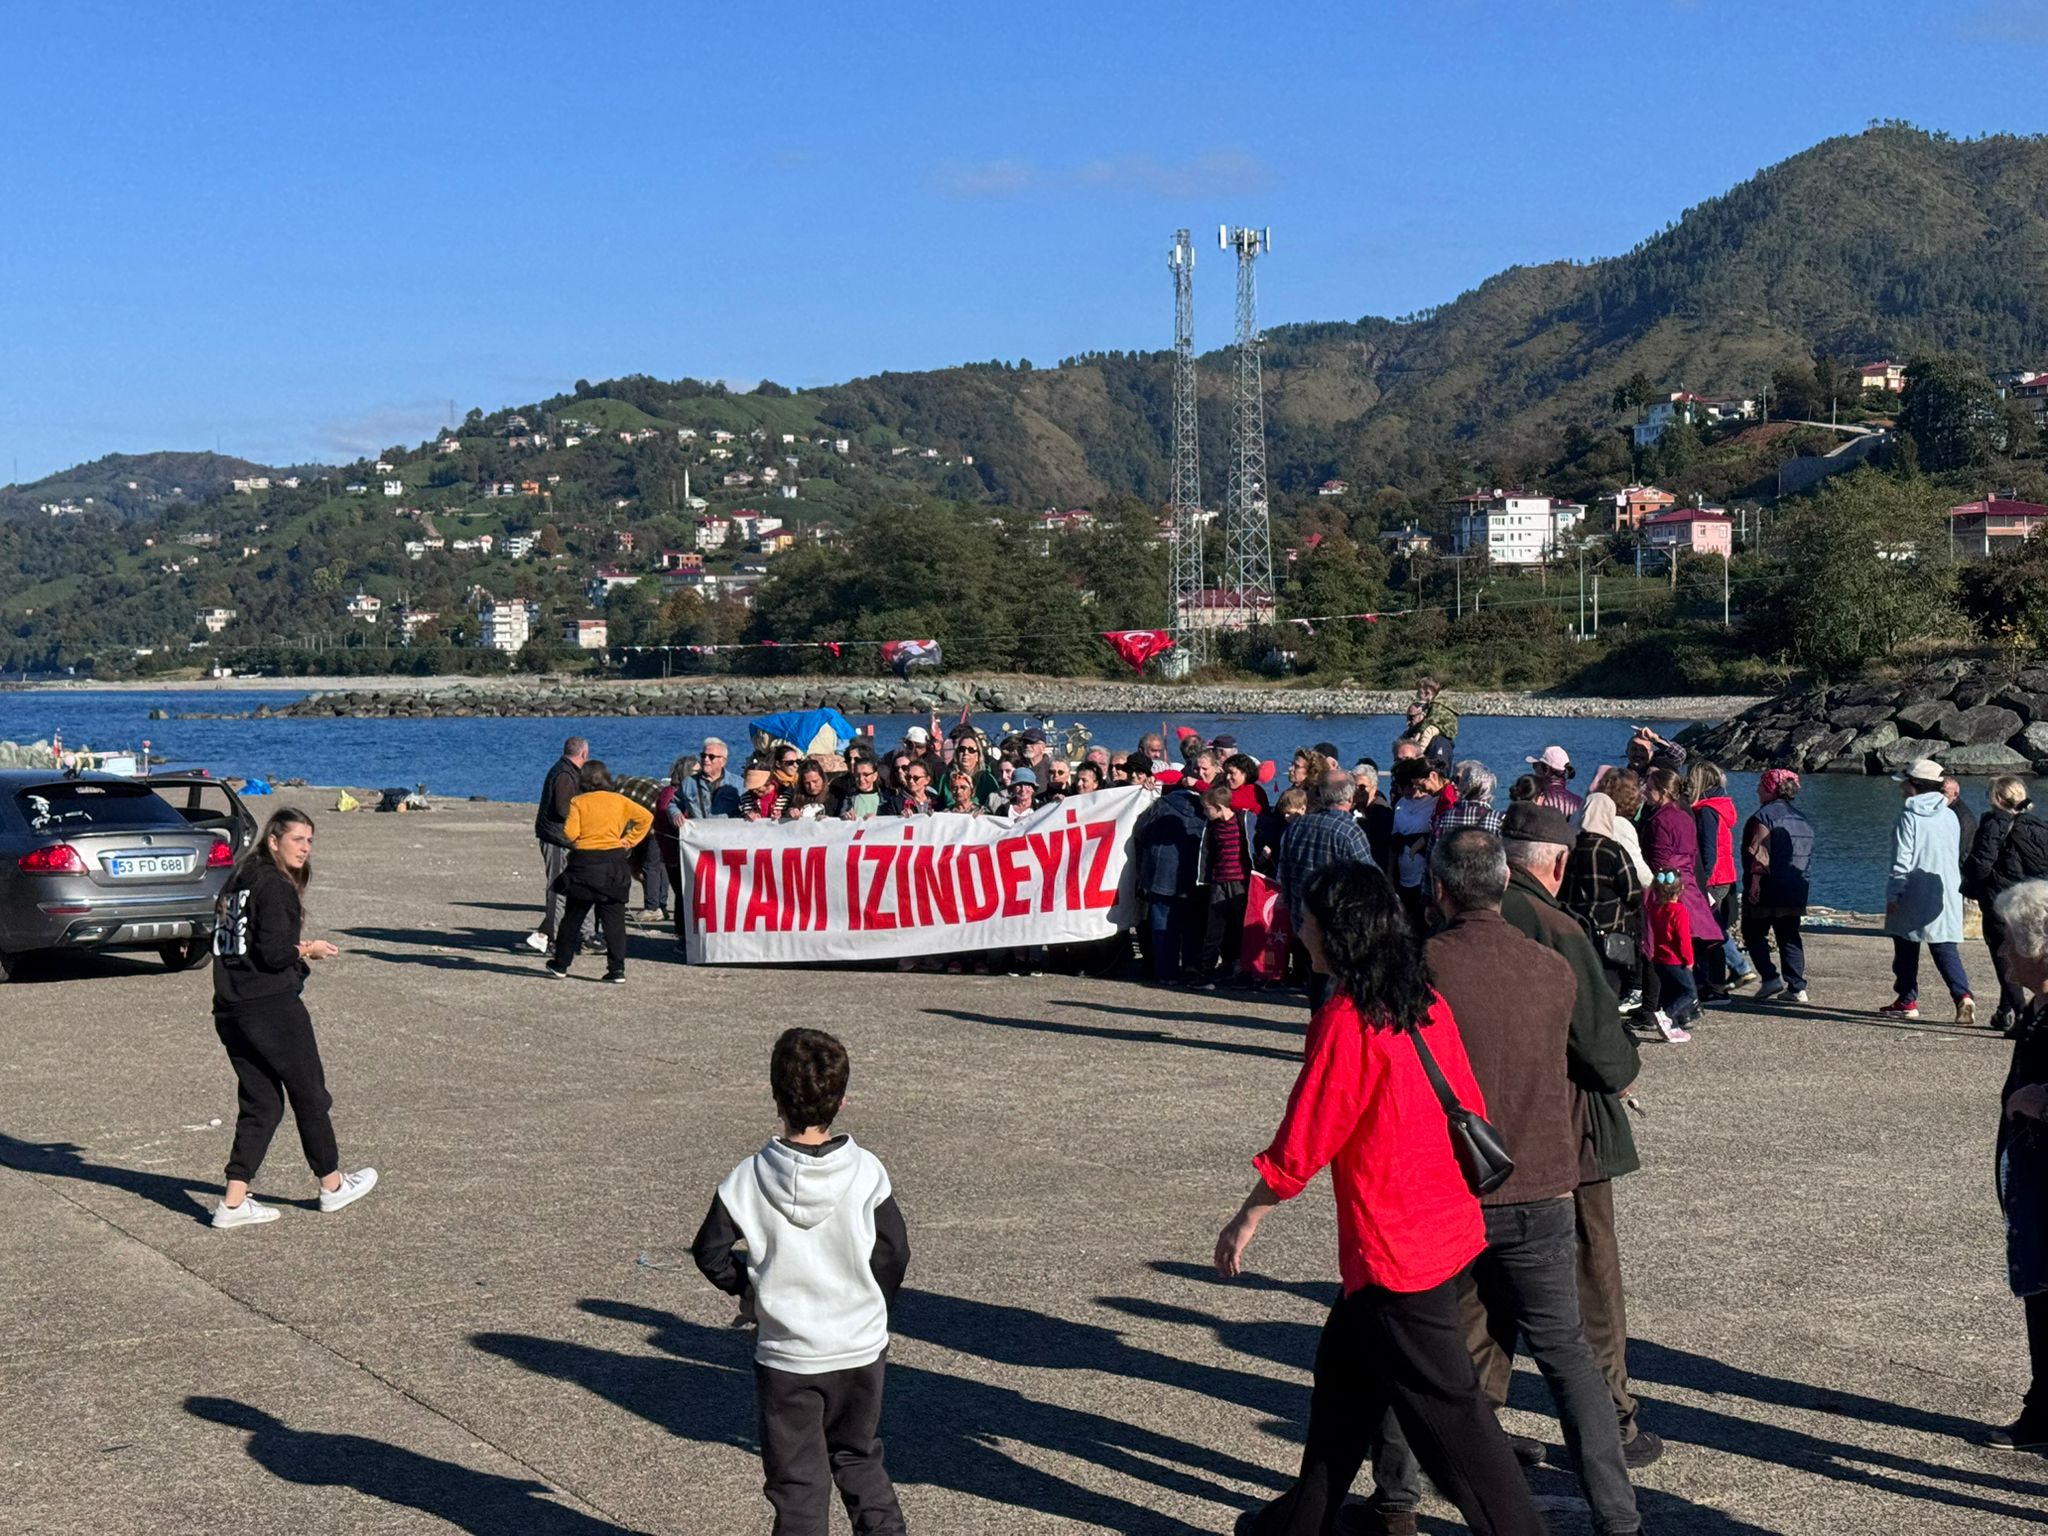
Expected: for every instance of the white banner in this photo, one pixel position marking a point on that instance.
(911, 885)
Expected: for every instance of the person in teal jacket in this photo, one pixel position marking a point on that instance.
(1923, 899)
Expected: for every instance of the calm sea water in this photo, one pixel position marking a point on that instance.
(505, 759)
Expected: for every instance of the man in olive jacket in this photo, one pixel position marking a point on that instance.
(1602, 1062)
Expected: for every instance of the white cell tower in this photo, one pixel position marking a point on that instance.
(1184, 617)
(1247, 527)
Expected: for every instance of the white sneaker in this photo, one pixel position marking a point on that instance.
(1796, 997)
(538, 943)
(1633, 1001)
(1966, 1010)
(251, 1212)
(353, 1187)
(1674, 1034)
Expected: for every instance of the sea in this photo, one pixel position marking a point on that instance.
(500, 759)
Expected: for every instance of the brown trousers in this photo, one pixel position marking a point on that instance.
(1602, 1309)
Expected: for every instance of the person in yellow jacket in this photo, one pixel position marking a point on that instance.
(602, 827)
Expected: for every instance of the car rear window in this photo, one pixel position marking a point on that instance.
(77, 806)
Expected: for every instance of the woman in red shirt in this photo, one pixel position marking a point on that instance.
(1407, 1224)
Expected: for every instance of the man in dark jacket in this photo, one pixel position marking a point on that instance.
(563, 780)
(1602, 1062)
(1327, 835)
(1514, 1000)
(1170, 839)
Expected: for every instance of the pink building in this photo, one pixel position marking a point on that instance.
(1696, 530)
(1984, 528)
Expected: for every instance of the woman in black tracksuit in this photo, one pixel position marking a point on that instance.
(259, 966)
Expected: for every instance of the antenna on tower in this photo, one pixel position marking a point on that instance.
(1247, 525)
(1184, 514)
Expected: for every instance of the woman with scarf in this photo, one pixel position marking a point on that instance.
(603, 828)
(764, 801)
(1603, 891)
(1777, 860)
(805, 800)
(1671, 841)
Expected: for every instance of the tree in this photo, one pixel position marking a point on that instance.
(1866, 571)
(1632, 394)
(1795, 391)
(1951, 413)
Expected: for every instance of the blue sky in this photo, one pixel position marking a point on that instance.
(301, 231)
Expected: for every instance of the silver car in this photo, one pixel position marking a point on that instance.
(92, 862)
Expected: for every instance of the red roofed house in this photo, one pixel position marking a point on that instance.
(1634, 504)
(1984, 528)
(1332, 488)
(1698, 530)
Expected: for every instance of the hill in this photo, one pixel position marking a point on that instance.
(132, 483)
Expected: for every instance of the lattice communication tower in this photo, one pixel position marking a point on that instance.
(1247, 525)
(1185, 617)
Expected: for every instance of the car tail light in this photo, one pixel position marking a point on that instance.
(220, 856)
(56, 859)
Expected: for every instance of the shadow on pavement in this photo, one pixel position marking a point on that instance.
(483, 1503)
(66, 1160)
(646, 945)
(1297, 1027)
(704, 1392)
(1104, 1032)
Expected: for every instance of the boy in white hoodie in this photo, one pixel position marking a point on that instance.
(825, 1254)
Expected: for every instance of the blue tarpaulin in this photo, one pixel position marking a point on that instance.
(812, 730)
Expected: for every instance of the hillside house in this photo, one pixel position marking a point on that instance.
(394, 487)
(572, 442)
(1333, 488)
(1660, 415)
(291, 482)
(449, 445)
(788, 439)
(842, 445)
(786, 492)
(712, 532)
(415, 549)
(253, 483)
(214, 620)
(585, 634)
(607, 580)
(721, 454)
(1692, 530)
(703, 583)
(518, 545)
(515, 423)
(1633, 505)
(739, 477)
(365, 607)
(686, 434)
(411, 620)
(1513, 527)
(622, 541)
(721, 437)
(356, 488)
(1409, 541)
(1887, 376)
(1226, 608)
(1980, 529)
(529, 487)
(383, 467)
(680, 560)
(1073, 520)
(507, 626)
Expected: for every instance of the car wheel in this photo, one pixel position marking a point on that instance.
(185, 954)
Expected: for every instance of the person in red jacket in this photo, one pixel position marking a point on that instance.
(1669, 937)
(1724, 965)
(1408, 1226)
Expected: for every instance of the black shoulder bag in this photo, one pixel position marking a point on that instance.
(1482, 1156)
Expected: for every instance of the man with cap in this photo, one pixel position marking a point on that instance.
(1552, 768)
(1923, 899)
(1601, 1061)
(917, 741)
(1033, 744)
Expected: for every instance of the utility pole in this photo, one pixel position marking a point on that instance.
(1596, 602)
(1248, 532)
(1185, 584)
(1724, 591)
(1582, 590)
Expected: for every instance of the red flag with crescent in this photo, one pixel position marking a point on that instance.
(1138, 646)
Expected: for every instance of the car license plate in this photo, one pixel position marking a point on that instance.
(142, 866)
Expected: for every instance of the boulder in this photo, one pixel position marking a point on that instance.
(1985, 759)
(1969, 695)
(1801, 738)
(1828, 749)
(1768, 744)
(1927, 717)
(1982, 725)
(2029, 704)
(1906, 750)
(2033, 741)
(1858, 716)
(1876, 739)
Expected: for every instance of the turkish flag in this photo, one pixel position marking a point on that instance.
(901, 655)
(1138, 646)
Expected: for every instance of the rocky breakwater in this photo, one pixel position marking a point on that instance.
(27, 754)
(1971, 717)
(744, 698)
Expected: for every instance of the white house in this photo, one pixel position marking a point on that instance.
(739, 477)
(216, 619)
(519, 545)
(1333, 488)
(585, 634)
(394, 487)
(1513, 527)
(607, 581)
(842, 445)
(449, 445)
(507, 626)
(365, 607)
(721, 437)
(711, 532)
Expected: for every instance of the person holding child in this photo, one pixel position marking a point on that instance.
(826, 1253)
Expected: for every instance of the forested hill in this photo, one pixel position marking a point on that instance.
(131, 483)
(1878, 245)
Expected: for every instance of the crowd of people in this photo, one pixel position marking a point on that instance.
(1473, 961)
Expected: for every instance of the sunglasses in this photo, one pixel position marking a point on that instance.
(787, 762)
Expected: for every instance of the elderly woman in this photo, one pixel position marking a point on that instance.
(2022, 912)
(1474, 808)
(1777, 862)
(2011, 845)
(1604, 892)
